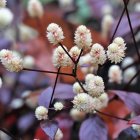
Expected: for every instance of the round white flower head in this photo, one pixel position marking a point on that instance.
(127, 61)
(104, 99)
(95, 87)
(98, 54)
(54, 33)
(83, 37)
(120, 42)
(11, 61)
(2, 3)
(58, 135)
(35, 9)
(89, 77)
(74, 52)
(58, 106)
(60, 58)
(77, 88)
(106, 10)
(41, 113)
(77, 115)
(6, 17)
(115, 74)
(28, 61)
(115, 53)
(128, 74)
(84, 102)
(107, 22)
(0, 82)
(136, 127)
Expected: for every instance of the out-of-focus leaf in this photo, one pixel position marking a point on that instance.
(131, 99)
(50, 128)
(64, 91)
(128, 134)
(124, 28)
(45, 97)
(5, 43)
(93, 128)
(26, 121)
(135, 120)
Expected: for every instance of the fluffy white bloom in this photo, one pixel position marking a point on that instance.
(137, 7)
(74, 52)
(77, 115)
(28, 61)
(0, 82)
(60, 58)
(41, 113)
(77, 88)
(120, 42)
(11, 61)
(58, 135)
(54, 33)
(35, 8)
(128, 74)
(115, 53)
(89, 77)
(6, 17)
(83, 37)
(58, 106)
(98, 54)
(95, 87)
(84, 102)
(104, 99)
(136, 127)
(106, 10)
(107, 22)
(127, 61)
(2, 3)
(115, 74)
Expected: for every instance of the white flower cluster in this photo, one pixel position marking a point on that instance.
(11, 61)
(58, 135)
(54, 33)
(6, 17)
(41, 113)
(60, 58)
(77, 88)
(97, 54)
(136, 127)
(35, 9)
(94, 85)
(83, 37)
(115, 74)
(2, 3)
(0, 82)
(116, 50)
(58, 106)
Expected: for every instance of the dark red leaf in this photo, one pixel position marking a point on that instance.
(64, 91)
(135, 120)
(45, 97)
(93, 128)
(131, 99)
(50, 128)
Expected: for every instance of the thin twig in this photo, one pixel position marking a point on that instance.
(55, 85)
(130, 25)
(67, 53)
(45, 71)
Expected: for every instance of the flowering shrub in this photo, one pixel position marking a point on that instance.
(85, 100)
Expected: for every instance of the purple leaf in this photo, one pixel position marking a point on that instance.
(93, 128)
(26, 121)
(50, 128)
(135, 120)
(124, 28)
(64, 91)
(131, 99)
(45, 97)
